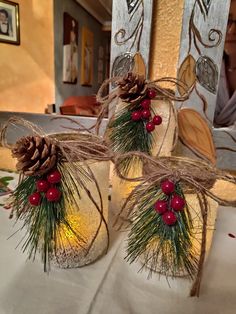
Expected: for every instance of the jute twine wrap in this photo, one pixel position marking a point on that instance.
(162, 93)
(195, 176)
(76, 147)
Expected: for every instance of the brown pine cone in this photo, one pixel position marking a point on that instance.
(132, 87)
(36, 155)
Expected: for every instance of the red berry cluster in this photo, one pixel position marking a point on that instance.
(171, 204)
(47, 186)
(144, 113)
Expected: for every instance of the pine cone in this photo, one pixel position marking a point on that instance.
(36, 155)
(132, 87)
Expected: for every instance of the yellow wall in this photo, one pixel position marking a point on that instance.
(167, 24)
(27, 71)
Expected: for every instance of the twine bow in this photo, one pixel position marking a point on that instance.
(197, 176)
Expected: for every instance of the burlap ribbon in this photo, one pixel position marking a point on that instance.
(197, 176)
(74, 147)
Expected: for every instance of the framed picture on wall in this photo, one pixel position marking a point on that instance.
(70, 49)
(87, 57)
(9, 22)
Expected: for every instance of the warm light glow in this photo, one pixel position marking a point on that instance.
(195, 210)
(121, 189)
(77, 224)
(73, 251)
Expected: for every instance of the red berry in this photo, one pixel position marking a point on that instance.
(53, 195)
(177, 203)
(169, 218)
(150, 127)
(35, 199)
(167, 187)
(157, 120)
(42, 185)
(161, 206)
(145, 103)
(54, 177)
(151, 93)
(146, 114)
(136, 115)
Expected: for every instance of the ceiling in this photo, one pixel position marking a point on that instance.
(101, 10)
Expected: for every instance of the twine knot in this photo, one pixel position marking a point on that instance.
(175, 175)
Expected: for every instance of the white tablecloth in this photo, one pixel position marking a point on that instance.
(111, 286)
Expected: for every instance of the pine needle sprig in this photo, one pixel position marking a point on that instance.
(43, 222)
(165, 249)
(126, 135)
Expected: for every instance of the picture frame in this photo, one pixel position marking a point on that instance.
(9, 22)
(70, 49)
(87, 57)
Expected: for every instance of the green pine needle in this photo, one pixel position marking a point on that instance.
(43, 222)
(166, 249)
(127, 135)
